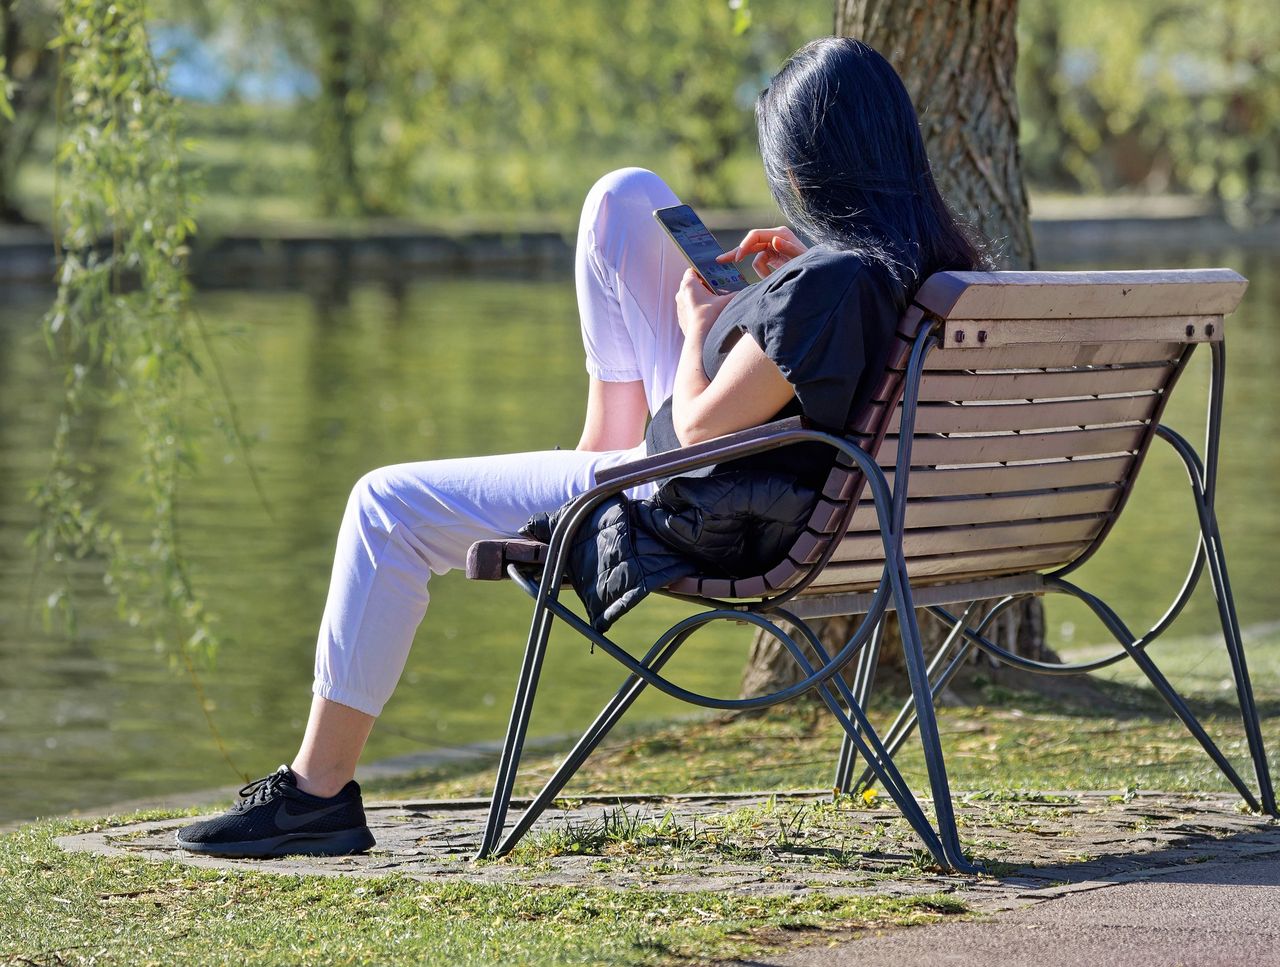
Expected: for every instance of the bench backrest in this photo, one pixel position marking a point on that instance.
(1035, 411)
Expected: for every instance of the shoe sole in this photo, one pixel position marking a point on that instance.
(342, 843)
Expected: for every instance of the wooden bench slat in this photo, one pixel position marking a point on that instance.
(945, 511)
(960, 512)
(1003, 478)
(1063, 356)
(959, 334)
(863, 575)
(961, 450)
(1081, 295)
(991, 417)
(930, 541)
(825, 514)
(909, 324)
(946, 386)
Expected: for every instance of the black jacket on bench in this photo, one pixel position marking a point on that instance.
(736, 523)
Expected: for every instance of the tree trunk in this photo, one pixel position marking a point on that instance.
(341, 183)
(957, 60)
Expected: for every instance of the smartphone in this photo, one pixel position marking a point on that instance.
(701, 248)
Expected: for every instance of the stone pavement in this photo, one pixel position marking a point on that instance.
(1035, 848)
(1221, 912)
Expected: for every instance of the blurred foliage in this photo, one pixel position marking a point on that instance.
(424, 108)
(447, 104)
(27, 80)
(121, 324)
(1161, 95)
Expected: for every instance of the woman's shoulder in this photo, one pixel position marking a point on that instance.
(826, 277)
(821, 260)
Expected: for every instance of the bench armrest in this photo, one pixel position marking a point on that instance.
(658, 461)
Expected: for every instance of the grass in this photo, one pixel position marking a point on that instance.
(1011, 742)
(816, 833)
(61, 908)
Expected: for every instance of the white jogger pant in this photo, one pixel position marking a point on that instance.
(404, 523)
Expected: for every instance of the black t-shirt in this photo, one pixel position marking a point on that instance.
(827, 319)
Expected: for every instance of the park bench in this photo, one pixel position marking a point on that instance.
(1001, 446)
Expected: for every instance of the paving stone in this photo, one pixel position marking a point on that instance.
(756, 844)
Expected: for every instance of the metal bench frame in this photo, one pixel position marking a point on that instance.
(539, 574)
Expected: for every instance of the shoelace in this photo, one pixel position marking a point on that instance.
(261, 790)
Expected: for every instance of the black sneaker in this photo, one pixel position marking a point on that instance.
(276, 818)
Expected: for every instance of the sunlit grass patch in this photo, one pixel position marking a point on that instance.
(824, 833)
(1015, 745)
(79, 908)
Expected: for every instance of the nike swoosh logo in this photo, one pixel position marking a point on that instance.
(289, 821)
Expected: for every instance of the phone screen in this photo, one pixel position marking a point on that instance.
(700, 247)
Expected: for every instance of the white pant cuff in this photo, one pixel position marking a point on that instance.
(612, 375)
(348, 697)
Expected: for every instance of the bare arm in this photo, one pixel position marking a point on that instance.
(748, 388)
(616, 414)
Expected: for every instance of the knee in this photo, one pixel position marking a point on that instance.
(625, 191)
(373, 498)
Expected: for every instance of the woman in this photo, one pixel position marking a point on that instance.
(845, 161)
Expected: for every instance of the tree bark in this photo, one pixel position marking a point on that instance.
(957, 60)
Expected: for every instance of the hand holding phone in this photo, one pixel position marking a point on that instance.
(700, 247)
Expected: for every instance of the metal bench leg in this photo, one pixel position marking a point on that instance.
(521, 708)
(1205, 488)
(1202, 479)
(1235, 650)
(927, 722)
(863, 678)
(867, 743)
(1163, 687)
(905, 723)
(631, 688)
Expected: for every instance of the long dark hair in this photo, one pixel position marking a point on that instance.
(846, 163)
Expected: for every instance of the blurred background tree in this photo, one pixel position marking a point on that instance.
(446, 106)
(1156, 95)
(348, 108)
(30, 68)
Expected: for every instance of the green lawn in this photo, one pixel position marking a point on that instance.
(60, 908)
(1118, 736)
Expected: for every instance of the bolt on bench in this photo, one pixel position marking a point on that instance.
(1001, 447)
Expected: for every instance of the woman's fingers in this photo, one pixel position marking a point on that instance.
(766, 263)
(772, 248)
(754, 241)
(697, 307)
(693, 290)
(787, 244)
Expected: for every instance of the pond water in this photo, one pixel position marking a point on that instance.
(447, 367)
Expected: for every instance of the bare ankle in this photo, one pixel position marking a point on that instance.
(315, 784)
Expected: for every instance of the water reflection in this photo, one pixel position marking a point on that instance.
(332, 385)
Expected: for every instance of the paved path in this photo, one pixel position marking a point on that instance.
(1213, 913)
(1036, 848)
